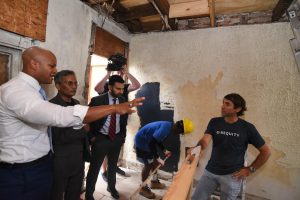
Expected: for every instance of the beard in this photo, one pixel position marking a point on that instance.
(115, 95)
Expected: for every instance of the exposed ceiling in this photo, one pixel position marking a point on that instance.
(163, 15)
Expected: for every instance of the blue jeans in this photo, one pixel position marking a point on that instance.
(209, 182)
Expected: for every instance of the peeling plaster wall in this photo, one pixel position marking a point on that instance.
(197, 68)
(68, 35)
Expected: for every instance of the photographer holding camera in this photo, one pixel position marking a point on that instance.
(116, 63)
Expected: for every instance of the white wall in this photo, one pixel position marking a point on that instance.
(197, 68)
(68, 35)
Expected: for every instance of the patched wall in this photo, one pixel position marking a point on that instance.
(197, 68)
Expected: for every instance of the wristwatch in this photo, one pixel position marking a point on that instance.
(252, 169)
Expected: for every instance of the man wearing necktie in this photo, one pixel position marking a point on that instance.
(108, 135)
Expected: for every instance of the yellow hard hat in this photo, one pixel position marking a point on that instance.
(188, 126)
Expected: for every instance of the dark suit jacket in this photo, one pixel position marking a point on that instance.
(97, 125)
(67, 141)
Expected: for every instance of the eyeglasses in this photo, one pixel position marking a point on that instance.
(71, 83)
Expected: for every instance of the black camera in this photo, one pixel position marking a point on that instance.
(116, 62)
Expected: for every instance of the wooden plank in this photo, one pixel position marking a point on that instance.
(212, 12)
(163, 6)
(193, 8)
(153, 18)
(221, 7)
(135, 13)
(239, 6)
(280, 9)
(180, 187)
(152, 26)
(133, 3)
(134, 26)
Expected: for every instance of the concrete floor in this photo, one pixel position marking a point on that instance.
(126, 186)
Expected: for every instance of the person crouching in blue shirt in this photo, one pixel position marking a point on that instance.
(146, 142)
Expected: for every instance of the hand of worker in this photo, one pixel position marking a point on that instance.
(196, 150)
(167, 153)
(160, 161)
(242, 173)
(124, 108)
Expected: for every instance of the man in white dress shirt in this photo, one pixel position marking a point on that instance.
(25, 161)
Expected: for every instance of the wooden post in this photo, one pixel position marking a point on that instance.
(211, 5)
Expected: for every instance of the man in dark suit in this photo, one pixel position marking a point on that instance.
(69, 144)
(108, 135)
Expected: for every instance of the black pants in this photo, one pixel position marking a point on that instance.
(68, 176)
(102, 147)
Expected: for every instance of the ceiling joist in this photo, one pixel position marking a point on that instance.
(159, 15)
(135, 13)
(188, 9)
(212, 12)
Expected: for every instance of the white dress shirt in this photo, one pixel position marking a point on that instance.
(25, 116)
(105, 129)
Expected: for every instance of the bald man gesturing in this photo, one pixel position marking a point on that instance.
(25, 161)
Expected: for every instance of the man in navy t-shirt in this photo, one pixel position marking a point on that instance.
(231, 136)
(148, 140)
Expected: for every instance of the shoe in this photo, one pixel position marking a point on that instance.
(120, 171)
(146, 192)
(157, 185)
(104, 176)
(114, 193)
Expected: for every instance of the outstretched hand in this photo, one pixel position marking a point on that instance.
(124, 108)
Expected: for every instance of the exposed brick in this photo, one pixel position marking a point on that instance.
(229, 20)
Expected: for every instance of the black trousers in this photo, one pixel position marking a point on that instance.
(102, 147)
(68, 176)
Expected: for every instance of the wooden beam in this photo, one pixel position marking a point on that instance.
(240, 6)
(135, 13)
(134, 26)
(153, 18)
(118, 7)
(193, 8)
(182, 183)
(163, 5)
(280, 9)
(164, 18)
(152, 26)
(211, 5)
(133, 3)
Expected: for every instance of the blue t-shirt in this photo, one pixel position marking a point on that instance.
(230, 142)
(156, 130)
